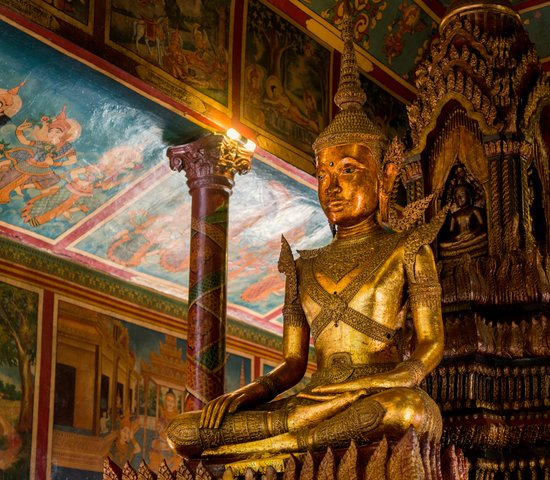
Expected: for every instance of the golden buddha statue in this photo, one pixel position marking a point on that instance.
(350, 297)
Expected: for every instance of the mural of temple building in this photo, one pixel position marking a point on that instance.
(92, 355)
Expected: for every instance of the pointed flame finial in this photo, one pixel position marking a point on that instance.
(349, 94)
(351, 125)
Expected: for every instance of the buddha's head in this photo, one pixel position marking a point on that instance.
(348, 151)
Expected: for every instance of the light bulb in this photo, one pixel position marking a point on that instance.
(233, 134)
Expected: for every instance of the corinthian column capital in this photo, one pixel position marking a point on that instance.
(211, 161)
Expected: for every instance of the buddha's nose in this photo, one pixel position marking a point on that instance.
(334, 186)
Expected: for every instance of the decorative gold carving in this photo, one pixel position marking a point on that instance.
(510, 278)
(327, 468)
(351, 124)
(291, 469)
(406, 459)
(409, 458)
(111, 471)
(416, 369)
(410, 215)
(336, 305)
(269, 383)
(422, 235)
(164, 472)
(425, 294)
(128, 473)
(202, 473)
(391, 166)
(144, 473)
(539, 94)
(527, 337)
(211, 160)
(308, 468)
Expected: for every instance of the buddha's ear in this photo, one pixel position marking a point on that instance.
(391, 168)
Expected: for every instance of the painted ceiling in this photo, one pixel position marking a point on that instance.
(84, 174)
(92, 93)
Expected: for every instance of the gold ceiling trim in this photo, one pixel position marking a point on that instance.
(540, 6)
(436, 18)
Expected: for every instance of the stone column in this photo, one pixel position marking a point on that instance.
(210, 164)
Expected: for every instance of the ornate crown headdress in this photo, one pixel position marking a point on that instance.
(351, 124)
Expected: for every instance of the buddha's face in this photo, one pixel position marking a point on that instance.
(348, 183)
(462, 197)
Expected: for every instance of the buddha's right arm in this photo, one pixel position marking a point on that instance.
(267, 387)
(293, 367)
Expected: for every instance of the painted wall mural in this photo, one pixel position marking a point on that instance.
(117, 387)
(19, 327)
(84, 175)
(286, 84)
(188, 41)
(69, 143)
(80, 11)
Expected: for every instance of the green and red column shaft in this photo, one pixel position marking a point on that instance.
(210, 164)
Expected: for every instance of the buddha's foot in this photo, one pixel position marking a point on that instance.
(287, 442)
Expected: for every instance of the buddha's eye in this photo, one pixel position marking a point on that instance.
(348, 169)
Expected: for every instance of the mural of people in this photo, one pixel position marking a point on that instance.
(115, 167)
(188, 40)
(10, 103)
(149, 235)
(125, 447)
(34, 165)
(159, 447)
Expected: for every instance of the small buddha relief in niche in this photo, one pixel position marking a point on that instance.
(465, 231)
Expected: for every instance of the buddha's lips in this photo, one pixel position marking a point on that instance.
(335, 205)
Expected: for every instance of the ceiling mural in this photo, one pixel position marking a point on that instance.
(149, 238)
(70, 143)
(264, 67)
(393, 32)
(84, 174)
